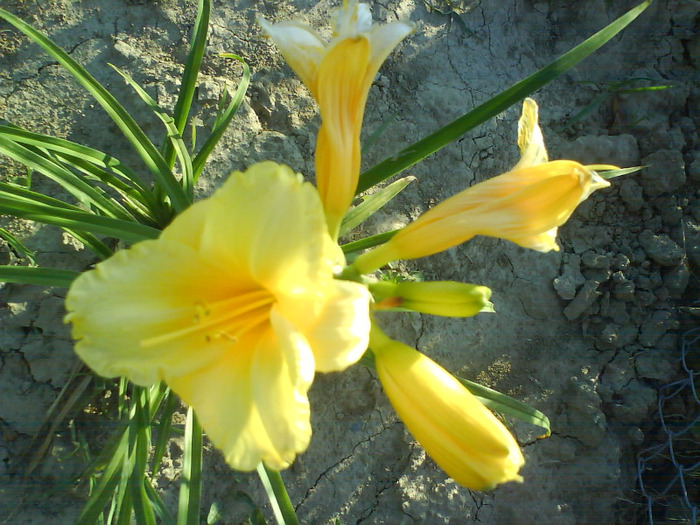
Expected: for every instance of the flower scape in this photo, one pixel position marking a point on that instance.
(247, 294)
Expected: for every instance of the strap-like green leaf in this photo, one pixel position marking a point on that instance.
(368, 242)
(143, 146)
(77, 186)
(371, 204)
(19, 248)
(34, 275)
(432, 143)
(191, 478)
(189, 75)
(76, 220)
(223, 119)
(173, 134)
(57, 145)
(504, 404)
(277, 494)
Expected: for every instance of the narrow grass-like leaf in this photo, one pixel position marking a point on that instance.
(16, 245)
(371, 204)
(57, 145)
(224, 118)
(174, 135)
(92, 243)
(189, 75)
(34, 275)
(368, 242)
(369, 141)
(277, 494)
(143, 146)
(143, 511)
(77, 186)
(161, 510)
(495, 105)
(163, 432)
(611, 174)
(77, 220)
(191, 479)
(104, 490)
(504, 404)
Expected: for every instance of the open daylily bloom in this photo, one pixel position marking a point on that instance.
(525, 205)
(463, 437)
(339, 75)
(235, 307)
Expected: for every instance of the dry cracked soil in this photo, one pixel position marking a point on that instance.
(588, 335)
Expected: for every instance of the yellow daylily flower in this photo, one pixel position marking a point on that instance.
(525, 205)
(463, 437)
(235, 307)
(339, 75)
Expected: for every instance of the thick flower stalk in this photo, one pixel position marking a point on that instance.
(525, 205)
(339, 75)
(235, 306)
(463, 437)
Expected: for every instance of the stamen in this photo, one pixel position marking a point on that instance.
(238, 314)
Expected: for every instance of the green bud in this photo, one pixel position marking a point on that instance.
(446, 298)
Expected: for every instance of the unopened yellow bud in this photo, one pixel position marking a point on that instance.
(446, 298)
(463, 437)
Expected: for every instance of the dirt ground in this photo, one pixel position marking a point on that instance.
(587, 335)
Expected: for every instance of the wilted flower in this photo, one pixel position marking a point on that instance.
(463, 437)
(235, 307)
(525, 205)
(339, 75)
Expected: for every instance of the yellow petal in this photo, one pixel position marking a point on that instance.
(351, 20)
(343, 85)
(335, 321)
(268, 224)
(530, 139)
(139, 294)
(252, 403)
(301, 47)
(383, 40)
(463, 437)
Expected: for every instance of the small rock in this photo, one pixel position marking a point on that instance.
(655, 328)
(621, 150)
(583, 301)
(637, 400)
(654, 364)
(570, 278)
(624, 291)
(676, 280)
(661, 248)
(595, 260)
(665, 172)
(631, 195)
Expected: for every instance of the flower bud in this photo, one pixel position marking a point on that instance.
(446, 298)
(463, 437)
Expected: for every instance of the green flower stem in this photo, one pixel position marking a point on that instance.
(277, 493)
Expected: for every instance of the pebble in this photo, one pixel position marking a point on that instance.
(665, 172)
(661, 248)
(583, 301)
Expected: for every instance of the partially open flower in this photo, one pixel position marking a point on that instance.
(235, 306)
(463, 437)
(525, 205)
(339, 75)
